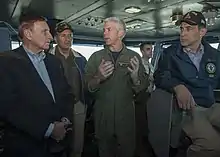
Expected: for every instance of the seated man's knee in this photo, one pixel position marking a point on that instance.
(208, 146)
(214, 116)
(202, 153)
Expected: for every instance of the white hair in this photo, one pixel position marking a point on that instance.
(121, 26)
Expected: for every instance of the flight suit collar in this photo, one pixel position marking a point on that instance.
(123, 50)
(122, 60)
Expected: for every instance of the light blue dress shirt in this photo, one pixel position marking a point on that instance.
(195, 57)
(38, 62)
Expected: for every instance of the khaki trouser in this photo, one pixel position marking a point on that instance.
(79, 125)
(202, 125)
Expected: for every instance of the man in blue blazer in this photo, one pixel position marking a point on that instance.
(35, 98)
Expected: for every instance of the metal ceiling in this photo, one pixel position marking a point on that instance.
(86, 17)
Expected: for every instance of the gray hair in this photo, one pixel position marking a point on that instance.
(120, 23)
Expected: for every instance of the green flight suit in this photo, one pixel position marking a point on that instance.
(114, 110)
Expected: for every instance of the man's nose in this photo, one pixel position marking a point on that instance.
(105, 32)
(183, 33)
(50, 37)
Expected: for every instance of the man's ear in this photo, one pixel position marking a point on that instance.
(121, 34)
(203, 32)
(28, 34)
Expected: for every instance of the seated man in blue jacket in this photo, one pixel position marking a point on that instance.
(191, 71)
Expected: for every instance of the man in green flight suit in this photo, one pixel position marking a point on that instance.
(114, 75)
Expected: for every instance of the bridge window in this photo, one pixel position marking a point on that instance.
(166, 46)
(87, 50)
(215, 45)
(15, 44)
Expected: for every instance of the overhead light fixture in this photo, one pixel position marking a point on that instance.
(176, 16)
(135, 24)
(132, 10)
(210, 13)
(90, 21)
(176, 19)
(210, 21)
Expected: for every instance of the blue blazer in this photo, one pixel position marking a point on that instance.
(27, 107)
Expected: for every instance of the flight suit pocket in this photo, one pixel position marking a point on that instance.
(123, 67)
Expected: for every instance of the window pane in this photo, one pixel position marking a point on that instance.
(14, 44)
(86, 50)
(215, 45)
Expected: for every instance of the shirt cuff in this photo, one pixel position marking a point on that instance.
(49, 130)
(65, 120)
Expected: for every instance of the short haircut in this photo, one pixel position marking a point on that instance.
(27, 21)
(202, 26)
(121, 24)
(144, 43)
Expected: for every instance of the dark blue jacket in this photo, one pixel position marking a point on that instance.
(175, 67)
(81, 63)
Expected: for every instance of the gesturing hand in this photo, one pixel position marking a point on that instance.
(134, 69)
(106, 68)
